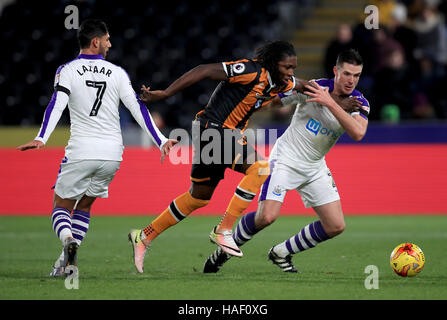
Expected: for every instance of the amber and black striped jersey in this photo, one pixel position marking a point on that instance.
(248, 88)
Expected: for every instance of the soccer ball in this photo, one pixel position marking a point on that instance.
(407, 260)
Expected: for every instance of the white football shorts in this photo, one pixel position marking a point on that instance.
(316, 188)
(85, 177)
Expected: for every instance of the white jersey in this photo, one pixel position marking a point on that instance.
(312, 132)
(93, 88)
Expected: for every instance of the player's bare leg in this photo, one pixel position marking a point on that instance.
(67, 204)
(331, 217)
(268, 212)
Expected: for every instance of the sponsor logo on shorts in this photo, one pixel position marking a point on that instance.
(278, 190)
(331, 181)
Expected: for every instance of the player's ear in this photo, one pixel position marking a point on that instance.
(95, 42)
(335, 71)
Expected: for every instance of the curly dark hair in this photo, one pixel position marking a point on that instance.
(271, 53)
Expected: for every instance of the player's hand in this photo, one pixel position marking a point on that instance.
(35, 144)
(147, 95)
(349, 104)
(167, 147)
(318, 94)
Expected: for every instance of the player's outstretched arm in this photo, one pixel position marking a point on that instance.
(51, 117)
(292, 99)
(300, 85)
(142, 115)
(35, 144)
(214, 71)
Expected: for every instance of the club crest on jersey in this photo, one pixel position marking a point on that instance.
(56, 79)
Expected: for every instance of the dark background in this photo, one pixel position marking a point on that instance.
(157, 41)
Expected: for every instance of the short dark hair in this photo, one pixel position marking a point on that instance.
(273, 52)
(350, 56)
(89, 29)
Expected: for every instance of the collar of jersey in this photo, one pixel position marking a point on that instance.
(326, 83)
(331, 84)
(90, 56)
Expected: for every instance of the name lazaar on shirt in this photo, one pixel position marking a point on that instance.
(94, 69)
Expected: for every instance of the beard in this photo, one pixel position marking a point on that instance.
(276, 79)
(103, 51)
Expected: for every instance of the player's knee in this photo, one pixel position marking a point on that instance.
(194, 203)
(260, 169)
(268, 212)
(336, 228)
(266, 219)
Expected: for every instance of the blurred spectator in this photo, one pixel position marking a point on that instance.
(400, 31)
(431, 58)
(414, 7)
(432, 100)
(393, 86)
(362, 39)
(343, 41)
(383, 46)
(431, 36)
(386, 8)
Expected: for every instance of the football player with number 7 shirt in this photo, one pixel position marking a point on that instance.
(92, 87)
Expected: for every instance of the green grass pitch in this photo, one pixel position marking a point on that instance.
(173, 267)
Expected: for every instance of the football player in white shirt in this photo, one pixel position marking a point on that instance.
(297, 162)
(92, 87)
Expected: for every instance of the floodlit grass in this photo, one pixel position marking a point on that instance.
(173, 267)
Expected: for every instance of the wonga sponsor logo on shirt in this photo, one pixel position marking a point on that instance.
(317, 128)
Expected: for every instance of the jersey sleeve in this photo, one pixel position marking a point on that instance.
(62, 79)
(294, 99)
(139, 110)
(125, 85)
(287, 91)
(242, 71)
(57, 104)
(364, 108)
(52, 114)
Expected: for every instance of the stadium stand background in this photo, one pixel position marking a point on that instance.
(157, 41)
